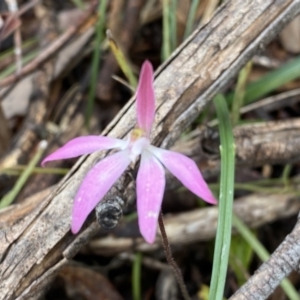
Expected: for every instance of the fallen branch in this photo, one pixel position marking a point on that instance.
(201, 224)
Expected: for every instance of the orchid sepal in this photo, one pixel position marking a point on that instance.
(84, 145)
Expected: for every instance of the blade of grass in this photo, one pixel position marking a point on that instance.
(286, 174)
(78, 3)
(239, 94)
(12, 68)
(190, 18)
(136, 276)
(173, 25)
(25, 46)
(271, 81)
(166, 45)
(263, 254)
(96, 60)
(17, 170)
(121, 59)
(223, 236)
(10, 196)
(240, 257)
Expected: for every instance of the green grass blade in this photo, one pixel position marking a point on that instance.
(263, 254)
(121, 59)
(78, 3)
(173, 25)
(239, 94)
(271, 81)
(240, 257)
(17, 170)
(96, 60)
(10, 197)
(190, 18)
(12, 68)
(136, 276)
(223, 236)
(166, 44)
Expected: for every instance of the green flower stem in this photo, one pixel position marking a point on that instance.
(223, 236)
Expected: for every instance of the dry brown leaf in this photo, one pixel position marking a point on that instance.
(84, 283)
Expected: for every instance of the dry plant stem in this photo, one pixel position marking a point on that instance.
(28, 134)
(5, 134)
(170, 259)
(13, 8)
(196, 72)
(282, 262)
(50, 50)
(27, 6)
(272, 103)
(256, 144)
(124, 37)
(200, 224)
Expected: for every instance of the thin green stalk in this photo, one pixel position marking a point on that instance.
(78, 3)
(223, 236)
(17, 170)
(166, 46)
(136, 276)
(190, 18)
(96, 60)
(239, 94)
(130, 217)
(286, 174)
(121, 59)
(271, 81)
(10, 196)
(12, 68)
(29, 43)
(173, 25)
(263, 254)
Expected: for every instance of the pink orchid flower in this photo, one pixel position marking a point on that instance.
(150, 180)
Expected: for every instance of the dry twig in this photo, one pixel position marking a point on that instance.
(200, 224)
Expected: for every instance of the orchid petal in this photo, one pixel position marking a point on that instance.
(96, 184)
(186, 171)
(150, 190)
(145, 98)
(84, 145)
